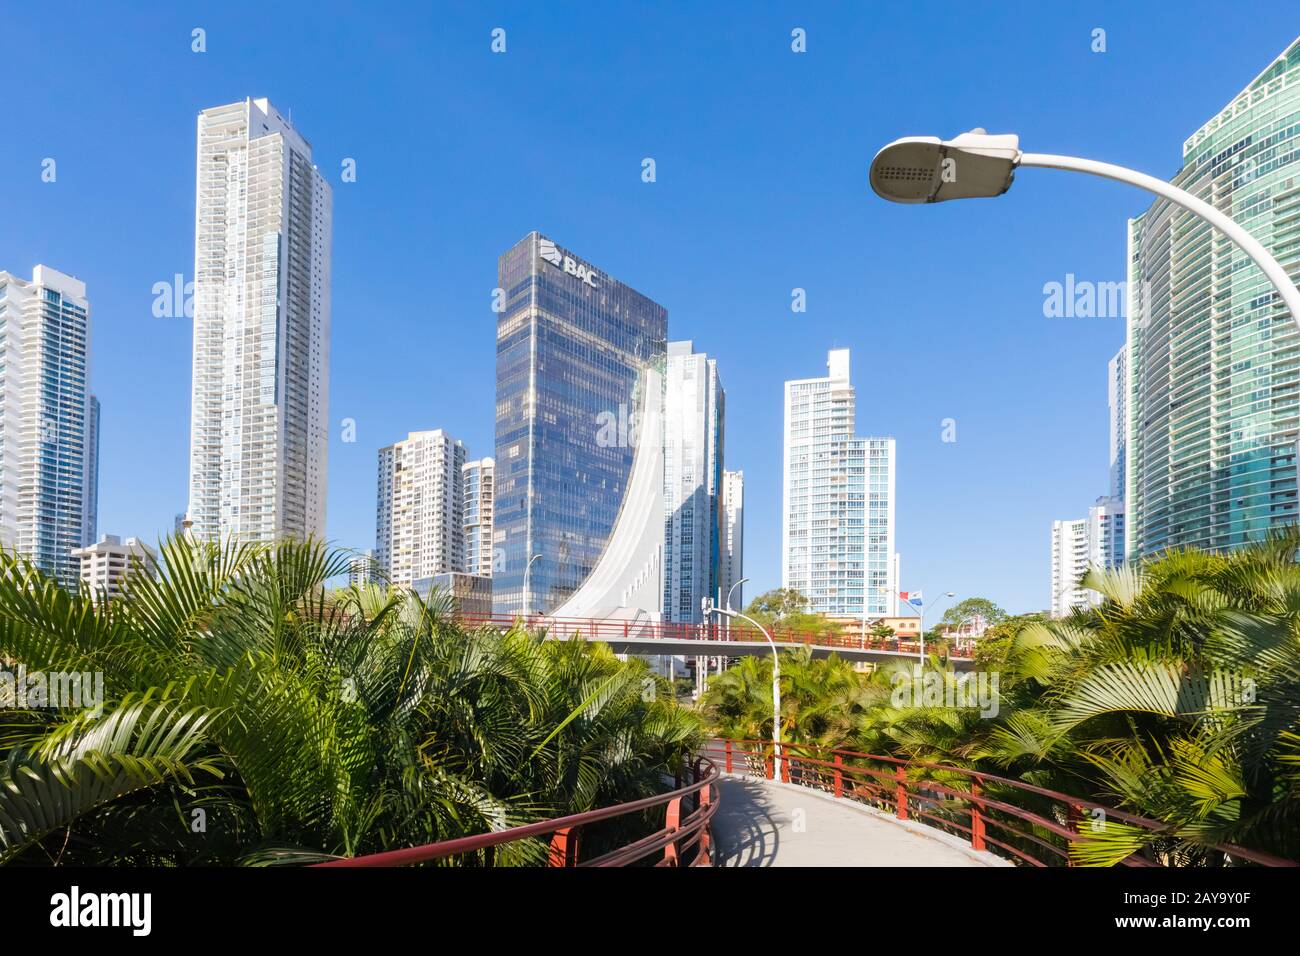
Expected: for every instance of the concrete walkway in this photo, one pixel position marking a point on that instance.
(764, 823)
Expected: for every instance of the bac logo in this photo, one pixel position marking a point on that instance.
(546, 250)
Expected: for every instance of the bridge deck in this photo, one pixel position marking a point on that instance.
(764, 823)
(652, 646)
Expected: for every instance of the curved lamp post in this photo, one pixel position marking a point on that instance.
(926, 169)
(733, 590)
(776, 682)
(527, 593)
(921, 626)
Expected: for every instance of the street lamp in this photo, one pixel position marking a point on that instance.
(921, 626)
(527, 593)
(926, 169)
(776, 681)
(733, 590)
(730, 592)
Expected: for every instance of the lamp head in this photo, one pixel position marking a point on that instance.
(925, 169)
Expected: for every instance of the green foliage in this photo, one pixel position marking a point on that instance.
(1177, 699)
(775, 605)
(993, 647)
(253, 717)
(970, 608)
(787, 609)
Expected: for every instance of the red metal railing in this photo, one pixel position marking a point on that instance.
(1031, 825)
(596, 629)
(684, 840)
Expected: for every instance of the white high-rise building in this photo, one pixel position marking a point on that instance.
(476, 514)
(1069, 562)
(837, 511)
(1105, 535)
(260, 403)
(694, 412)
(733, 537)
(363, 569)
(419, 529)
(49, 421)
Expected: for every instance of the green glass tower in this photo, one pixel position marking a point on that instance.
(1213, 355)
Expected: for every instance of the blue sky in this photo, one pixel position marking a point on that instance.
(762, 158)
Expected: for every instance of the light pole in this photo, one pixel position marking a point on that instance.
(527, 593)
(921, 626)
(776, 683)
(926, 169)
(733, 591)
(730, 592)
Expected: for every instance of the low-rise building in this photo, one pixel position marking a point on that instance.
(106, 564)
(471, 593)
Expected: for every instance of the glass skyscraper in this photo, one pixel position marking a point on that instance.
(1213, 356)
(571, 345)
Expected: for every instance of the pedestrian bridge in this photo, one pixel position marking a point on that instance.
(767, 823)
(732, 639)
(744, 803)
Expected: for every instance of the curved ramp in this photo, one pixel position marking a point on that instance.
(767, 823)
(627, 581)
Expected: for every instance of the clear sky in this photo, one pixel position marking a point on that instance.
(762, 158)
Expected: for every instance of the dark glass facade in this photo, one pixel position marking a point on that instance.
(571, 343)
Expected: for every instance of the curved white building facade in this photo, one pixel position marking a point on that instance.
(627, 581)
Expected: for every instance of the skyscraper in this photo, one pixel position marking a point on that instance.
(1069, 562)
(419, 529)
(837, 510)
(476, 515)
(260, 403)
(572, 343)
(1105, 525)
(1117, 394)
(1214, 387)
(49, 421)
(694, 413)
(90, 527)
(733, 537)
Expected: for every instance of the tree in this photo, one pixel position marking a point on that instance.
(787, 609)
(882, 631)
(823, 701)
(252, 716)
(993, 648)
(777, 604)
(1176, 699)
(971, 608)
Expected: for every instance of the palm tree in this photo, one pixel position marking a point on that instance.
(253, 716)
(1176, 699)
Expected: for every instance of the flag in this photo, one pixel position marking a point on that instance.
(913, 598)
